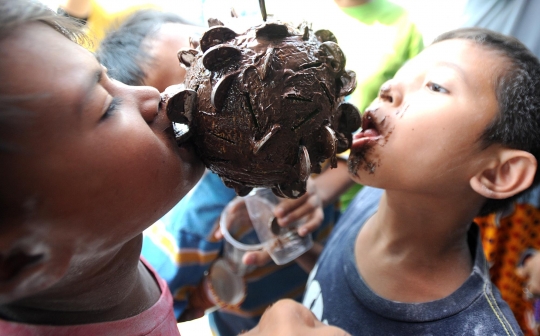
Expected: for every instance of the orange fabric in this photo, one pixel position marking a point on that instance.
(503, 247)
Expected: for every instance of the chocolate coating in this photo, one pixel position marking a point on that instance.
(264, 108)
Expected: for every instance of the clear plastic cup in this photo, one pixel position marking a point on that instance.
(256, 211)
(223, 287)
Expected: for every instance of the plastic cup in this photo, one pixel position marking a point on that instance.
(256, 211)
(223, 287)
(240, 236)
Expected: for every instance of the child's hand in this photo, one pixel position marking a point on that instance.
(309, 206)
(531, 271)
(198, 303)
(287, 317)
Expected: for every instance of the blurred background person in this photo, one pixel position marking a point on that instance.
(142, 51)
(103, 15)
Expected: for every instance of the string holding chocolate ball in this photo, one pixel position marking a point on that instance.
(262, 5)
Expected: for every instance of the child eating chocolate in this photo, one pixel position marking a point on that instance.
(453, 135)
(87, 164)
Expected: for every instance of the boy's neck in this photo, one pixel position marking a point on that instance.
(417, 243)
(113, 287)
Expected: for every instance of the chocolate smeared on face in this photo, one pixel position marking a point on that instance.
(265, 108)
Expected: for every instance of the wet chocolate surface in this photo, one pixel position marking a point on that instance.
(264, 108)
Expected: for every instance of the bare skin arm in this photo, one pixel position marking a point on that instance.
(287, 317)
(321, 192)
(308, 260)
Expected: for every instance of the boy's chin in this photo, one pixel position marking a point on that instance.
(359, 166)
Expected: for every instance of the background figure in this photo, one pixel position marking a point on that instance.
(181, 245)
(142, 51)
(182, 248)
(509, 236)
(104, 15)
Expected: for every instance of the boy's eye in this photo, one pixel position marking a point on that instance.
(436, 87)
(113, 106)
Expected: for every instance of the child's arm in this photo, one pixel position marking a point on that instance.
(288, 317)
(308, 260)
(333, 182)
(198, 303)
(321, 191)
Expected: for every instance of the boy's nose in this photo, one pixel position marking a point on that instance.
(389, 93)
(148, 99)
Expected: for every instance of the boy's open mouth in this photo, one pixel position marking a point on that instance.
(369, 132)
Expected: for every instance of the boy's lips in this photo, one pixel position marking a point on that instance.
(369, 132)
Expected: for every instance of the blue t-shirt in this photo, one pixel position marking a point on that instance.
(338, 296)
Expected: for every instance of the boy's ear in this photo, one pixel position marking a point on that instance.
(510, 174)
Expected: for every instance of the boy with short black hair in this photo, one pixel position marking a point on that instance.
(453, 135)
(87, 163)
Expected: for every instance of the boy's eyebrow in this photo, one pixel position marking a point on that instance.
(94, 79)
(457, 68)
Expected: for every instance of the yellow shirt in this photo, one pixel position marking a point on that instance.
(106, 15)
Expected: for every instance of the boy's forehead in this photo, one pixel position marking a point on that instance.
(40, 60)
(462, 55)
(458, 50)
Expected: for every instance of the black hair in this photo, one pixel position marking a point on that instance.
(122, 51)
(517, 89)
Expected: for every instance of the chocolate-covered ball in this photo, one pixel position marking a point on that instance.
(265, 108)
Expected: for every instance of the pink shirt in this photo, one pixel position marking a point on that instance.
(158, 320)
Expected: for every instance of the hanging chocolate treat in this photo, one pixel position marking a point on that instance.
(265, 108)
